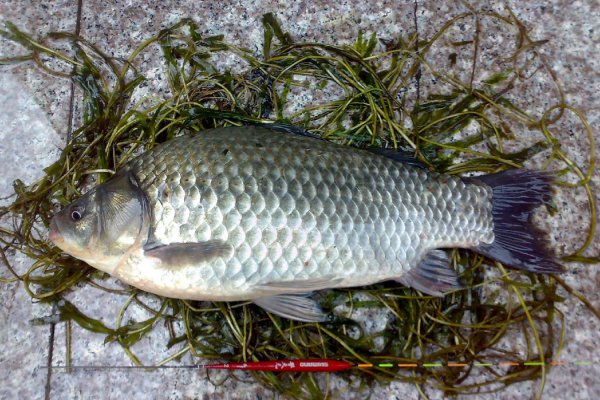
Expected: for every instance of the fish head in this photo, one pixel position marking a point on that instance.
(103, 225)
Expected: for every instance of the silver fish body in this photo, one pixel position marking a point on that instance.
(295, 208)
(248, 213)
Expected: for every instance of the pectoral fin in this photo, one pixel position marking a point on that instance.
(433, 275)
(292, 306)
(182, 254)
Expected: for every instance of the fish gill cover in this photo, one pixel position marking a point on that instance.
(466, 126)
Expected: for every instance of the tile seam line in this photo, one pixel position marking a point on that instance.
(51, 336)
(72, 86)
(47, 386)
(418, 75)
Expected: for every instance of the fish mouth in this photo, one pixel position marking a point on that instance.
(54, 234)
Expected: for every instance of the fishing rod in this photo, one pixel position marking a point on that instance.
(311, 365)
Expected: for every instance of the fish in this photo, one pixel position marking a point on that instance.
(272, 214)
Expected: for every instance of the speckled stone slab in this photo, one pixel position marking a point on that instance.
(34, 119)
(28, 142)
(38, 19)
(573, 29)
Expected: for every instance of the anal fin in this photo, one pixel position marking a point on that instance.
(433, 275)
(292, 306)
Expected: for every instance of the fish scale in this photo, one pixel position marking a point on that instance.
(297, 208)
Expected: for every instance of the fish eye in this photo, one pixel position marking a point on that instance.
(76, 215)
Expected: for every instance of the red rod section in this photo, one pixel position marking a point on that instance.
(306, 365)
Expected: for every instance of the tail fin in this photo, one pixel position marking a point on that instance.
(517, 242)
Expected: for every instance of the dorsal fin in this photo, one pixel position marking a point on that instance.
(400, 156)
(294, 130)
